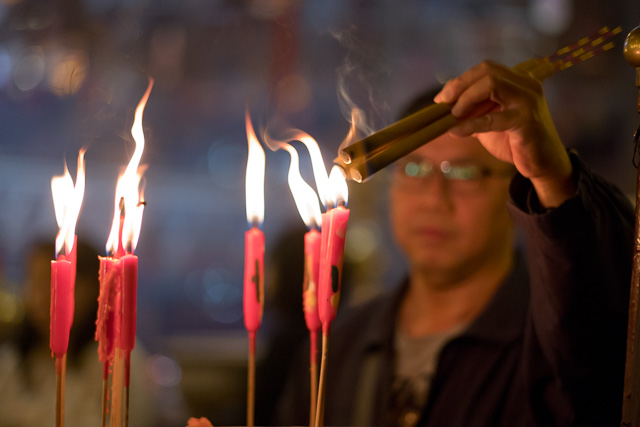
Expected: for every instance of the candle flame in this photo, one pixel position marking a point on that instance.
(136, 218)
(254, 176)
(127, 190)
(305, 197)
(67, 201)
(317, 162)
(339, 189)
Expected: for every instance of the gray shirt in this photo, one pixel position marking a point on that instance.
(416, 362)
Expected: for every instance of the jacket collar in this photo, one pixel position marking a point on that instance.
(504, 317)
(501, 321)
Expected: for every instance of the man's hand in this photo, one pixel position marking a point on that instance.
(507, 111)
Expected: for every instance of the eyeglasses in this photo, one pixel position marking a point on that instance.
(411, 172)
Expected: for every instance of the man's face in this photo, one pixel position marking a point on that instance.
(451, 218)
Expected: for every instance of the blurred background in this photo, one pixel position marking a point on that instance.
(73, 71)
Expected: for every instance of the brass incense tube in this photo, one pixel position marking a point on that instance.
(375, 142)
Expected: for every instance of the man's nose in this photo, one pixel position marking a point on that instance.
(435, 191)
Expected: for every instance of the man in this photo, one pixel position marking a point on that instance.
(471, 338)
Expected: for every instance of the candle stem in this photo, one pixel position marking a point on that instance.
(313, 337)
(105, 392)
(323, 375)
(116, 390)
(127, 378)
(61, 371)
(126, 407)
(251, 379)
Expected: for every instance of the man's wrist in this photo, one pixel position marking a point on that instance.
(553, 191)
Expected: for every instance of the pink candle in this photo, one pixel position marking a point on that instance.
(105, 325)
(312, 243)
(62, 302)
(334, 229)
(312, 240)
(253, 299)
(129, 268)
(63, 280)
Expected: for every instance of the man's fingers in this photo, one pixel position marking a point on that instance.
(452, 90)
(485, 81)
(497, 121)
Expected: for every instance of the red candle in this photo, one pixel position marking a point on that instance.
(129, 266)
(62, 302)
(334, 229)
(312, 240)
(105, 328)
(253, 300)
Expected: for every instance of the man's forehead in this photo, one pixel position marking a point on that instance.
(450, 148)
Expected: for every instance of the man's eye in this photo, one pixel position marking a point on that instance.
(463, 172)
(412, 169)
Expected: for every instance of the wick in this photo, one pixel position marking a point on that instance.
(255, 223)
(341, 203)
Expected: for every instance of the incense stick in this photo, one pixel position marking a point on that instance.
(251, 379)
(367, 156)
(127, 377)
(313, 371)
(105, 392)
(116, 387)
(61, 373)
(323, 379)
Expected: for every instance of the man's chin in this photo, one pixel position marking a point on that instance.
(436, 263)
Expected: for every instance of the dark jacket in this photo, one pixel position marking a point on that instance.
(547, 351)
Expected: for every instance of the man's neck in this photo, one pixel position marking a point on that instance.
(434, 304)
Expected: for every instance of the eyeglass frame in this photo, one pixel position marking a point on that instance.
(448, 169)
